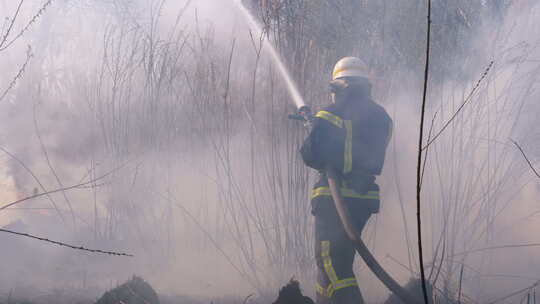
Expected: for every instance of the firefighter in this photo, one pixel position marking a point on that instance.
(350, 136)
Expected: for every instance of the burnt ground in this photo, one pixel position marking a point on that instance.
(138, 291)
(134, 291)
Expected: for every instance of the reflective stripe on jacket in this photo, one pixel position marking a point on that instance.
(351, 137)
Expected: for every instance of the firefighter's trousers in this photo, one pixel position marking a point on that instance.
(335, 252)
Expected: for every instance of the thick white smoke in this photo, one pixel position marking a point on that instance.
(115, 84)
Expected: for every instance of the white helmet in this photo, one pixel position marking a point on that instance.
(350, 67)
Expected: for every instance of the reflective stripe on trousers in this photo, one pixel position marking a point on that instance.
(335, 283)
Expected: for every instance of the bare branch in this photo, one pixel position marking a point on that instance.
(526, 158)
(46, 193)
(11, 23)
(427, 150)
(64, 244)
(461, 106)
(79, 185)
(53, 171)
(419, 164)
(34, 176)
(40, 12)
(19, 75)
(208, 235)
(497, 247)
(515, 293)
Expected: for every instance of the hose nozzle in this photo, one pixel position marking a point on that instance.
(305, 111)
(303, 114)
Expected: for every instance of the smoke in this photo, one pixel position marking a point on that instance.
(207, 189)
(82, 111)
(476, 183)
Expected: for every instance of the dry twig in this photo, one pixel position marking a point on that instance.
(419, 164)
(79, 185)
(11, 23)
(65, 245)
(5, 44)
(497, 247)
(461, 106)
(515, 293)
(526, 158)
(19, 75)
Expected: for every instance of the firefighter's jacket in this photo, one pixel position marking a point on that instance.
(351, 136)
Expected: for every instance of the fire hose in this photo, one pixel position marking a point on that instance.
(361, 248)
(354, 235)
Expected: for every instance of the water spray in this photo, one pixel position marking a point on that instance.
(276, 58)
